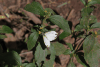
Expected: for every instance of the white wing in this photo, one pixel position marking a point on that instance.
(46, 41)
(51, 35)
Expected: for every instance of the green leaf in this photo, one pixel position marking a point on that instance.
(92, 2)
(79, 27)
(93, 56)
(24, 64)
(2, 36)
(59, 48)
(32, 40)
(67, 52)
(40, 54)
(30, 65)
(80, 61)
(70, 46)
(61, 22)
(84, 22)
(63, 35)
(50, 10)
(86, 11)
(53, 52)
(88, 44)
(5, 29)
(83, 1)
(98, 32)
(92, 19)
(71, 64)
(50, 62)
(96, 25)
(35, 8)
(10, 58)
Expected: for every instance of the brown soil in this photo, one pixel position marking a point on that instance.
(70, 11)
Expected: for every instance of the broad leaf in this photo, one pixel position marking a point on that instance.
(61, 22)
(71, 64)
(79, 27)
(63, 35)
(67, 52)
(2, 36)
(60, 49)
(92, 20)
(98, 32)
(40, 54)
(5, 29)
(32, 40)
(30, 65)
(50, 62)
(93, 57)
(70, 46)
(11, 58)
(86, 11)
(80, 61)
(96, 25)
(24, 64)
(35, 8)
(88, 44)
(83, 1)
(92, 2)
(50, 10)
(53, 52)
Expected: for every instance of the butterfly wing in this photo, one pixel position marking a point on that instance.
(52, 35)
(46, 41)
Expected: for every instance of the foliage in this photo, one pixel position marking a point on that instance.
(89, 43)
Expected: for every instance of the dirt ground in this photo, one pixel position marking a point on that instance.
(70, 11)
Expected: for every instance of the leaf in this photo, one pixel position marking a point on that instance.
(92, 2)
(63, 35)
(83, 1)
(30, 65)
(10, 58)
(86, 11)
(5, 29)
(71, 64)
(24, 64)
(80, 61)
(50, 62)
(40, 54)
(67, 52)
(50, 10)
(84, 22)
(59, 48)
(32, 40)
(70, 46)
(92, 19)
(35, 8)
(2, 36)
(98, 32)
(96, 25)
(79, 27)
(88, 44)
(61, 22)
(53, 52)
(93, 57)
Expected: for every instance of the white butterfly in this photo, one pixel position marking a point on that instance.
(49, 36)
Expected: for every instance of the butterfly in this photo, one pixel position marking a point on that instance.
(49, 36)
